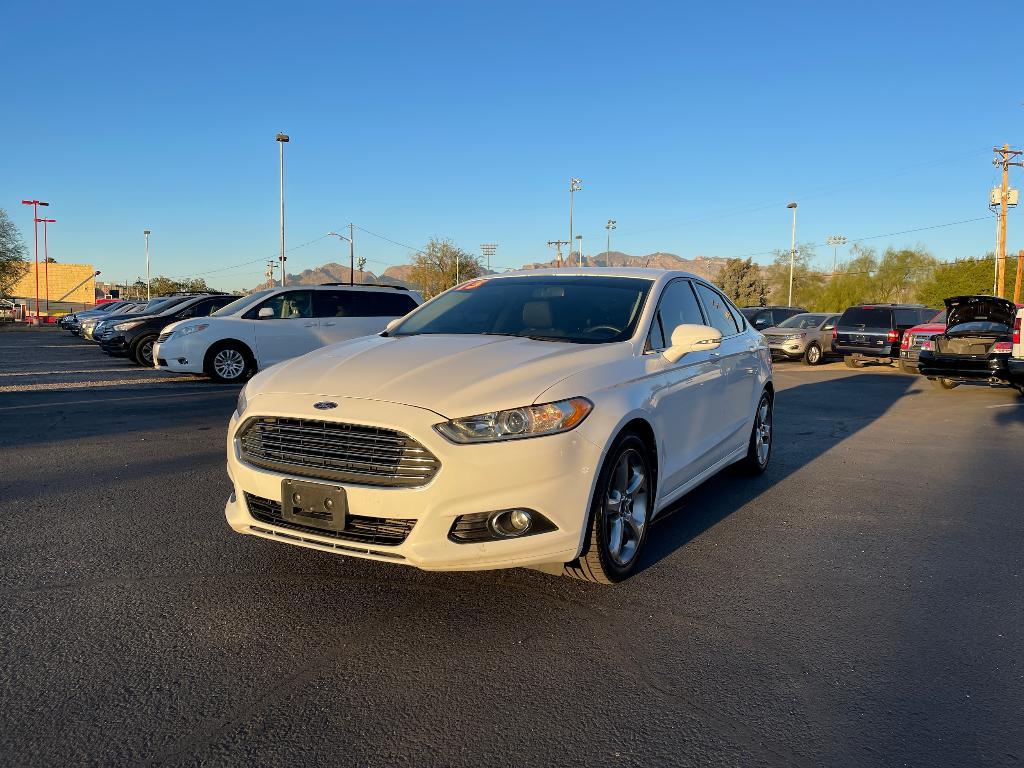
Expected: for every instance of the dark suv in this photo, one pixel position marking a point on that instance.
(769, 317)
(875, 331)
(135, 336)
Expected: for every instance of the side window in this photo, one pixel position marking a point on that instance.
(289, 305)
(763, 319)
(717, 308)
(380, 303)
(204, 308)
(331, 304)
(678, 307)
(741, 321)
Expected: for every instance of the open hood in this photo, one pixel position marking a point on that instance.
(966, 309)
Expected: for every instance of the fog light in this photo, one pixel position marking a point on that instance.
(511, 522)
(182, 361)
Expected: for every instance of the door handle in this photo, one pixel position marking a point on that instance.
(310, 325)
(328, 325)
(715, 355)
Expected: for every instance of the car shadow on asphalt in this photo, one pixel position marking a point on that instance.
(846, 406)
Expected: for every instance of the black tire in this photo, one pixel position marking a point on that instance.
(945, 384)
(225, 358)
(142, 351)
(598, 562)
(813, 355)
(756, 460)
(852, 361)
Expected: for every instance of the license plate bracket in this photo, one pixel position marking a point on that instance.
(316, 505)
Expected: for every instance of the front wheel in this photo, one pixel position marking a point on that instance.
(759, 448)
(813, 356)
(619, 515)
(143, 352)
(229, 363)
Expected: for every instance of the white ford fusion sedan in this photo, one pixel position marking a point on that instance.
(535, 419)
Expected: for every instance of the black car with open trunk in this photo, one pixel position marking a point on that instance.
(976, 345)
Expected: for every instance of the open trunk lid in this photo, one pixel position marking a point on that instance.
(967, 309)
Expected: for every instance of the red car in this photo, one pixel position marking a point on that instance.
(910, 347)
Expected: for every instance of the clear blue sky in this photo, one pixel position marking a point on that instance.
(692, 124)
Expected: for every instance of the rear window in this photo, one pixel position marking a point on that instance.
(867, 317)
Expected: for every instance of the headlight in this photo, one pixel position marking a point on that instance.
(242, 402)
(191, 329)
(794, 336)
(517, 423)
(128, 326)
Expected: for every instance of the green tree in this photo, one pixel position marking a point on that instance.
(963, 277)
(13, 255)
(852, 284)
(741, 281)
(161, 286)
(807, 281)
(899, 273)
(440, 265)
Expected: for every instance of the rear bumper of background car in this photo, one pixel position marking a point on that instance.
(963, 369)
(552, 475)
(849, 349)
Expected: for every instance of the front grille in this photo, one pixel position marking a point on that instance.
(336, 451)
(382, 531)
(163, 337)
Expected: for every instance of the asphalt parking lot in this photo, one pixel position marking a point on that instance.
(860, 604)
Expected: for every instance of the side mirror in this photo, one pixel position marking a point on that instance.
(688, 338)
(391, 326)
(265, 313)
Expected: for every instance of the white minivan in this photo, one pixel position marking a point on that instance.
(276, 324)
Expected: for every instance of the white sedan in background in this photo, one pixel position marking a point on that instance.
(276, 324)
(528, 419)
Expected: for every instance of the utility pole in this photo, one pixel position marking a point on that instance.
(1016, 282)
(1007, 157)
(282, 139)
(835, 241)
(575, 185)
(35, 225)
(488, 250)
(351, 253)
(361, 262)
(792, 254)
(558, 248)
(608, 248)
(270, 273)
(146, 233)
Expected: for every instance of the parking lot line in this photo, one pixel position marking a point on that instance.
(98, 400)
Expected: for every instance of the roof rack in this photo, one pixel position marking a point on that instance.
(370, 285)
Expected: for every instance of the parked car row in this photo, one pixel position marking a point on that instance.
(231, 337)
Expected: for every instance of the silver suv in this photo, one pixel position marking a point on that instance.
(807, 336)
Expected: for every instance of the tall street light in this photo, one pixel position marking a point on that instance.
(575, 185)
(282, 139)
(46, 260)
(609, 226)
(835, 241)
(351, 252)
(146, 232)
(35, 216)
(488, 250)
(792, 254)
(579, 248)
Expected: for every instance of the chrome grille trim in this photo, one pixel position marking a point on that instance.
(330, 450)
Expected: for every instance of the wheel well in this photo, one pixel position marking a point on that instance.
(642, 429)
(228, 343)
(770, 389)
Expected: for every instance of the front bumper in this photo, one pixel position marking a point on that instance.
(114, 345)
(792, 349)
(179, 355)
(553, 475)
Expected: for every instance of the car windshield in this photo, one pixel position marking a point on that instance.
(940, 318)
(867, 317)
(803, 322)
(241, 303)
(749, 312)
(580, 310)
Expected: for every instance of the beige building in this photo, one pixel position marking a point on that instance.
(62, 279)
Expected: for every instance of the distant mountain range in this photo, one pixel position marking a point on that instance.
(705, 266)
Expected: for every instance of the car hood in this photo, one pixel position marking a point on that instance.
(452, 375)
(965, 309)
(777, 331)
(927, 328)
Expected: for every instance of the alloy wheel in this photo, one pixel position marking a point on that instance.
(229, 363)
(146, 352)
(626, 507)
(763, 431)
(813, 355)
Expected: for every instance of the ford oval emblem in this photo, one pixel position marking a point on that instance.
(325, 405)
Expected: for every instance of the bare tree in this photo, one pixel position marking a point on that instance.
(13, 255)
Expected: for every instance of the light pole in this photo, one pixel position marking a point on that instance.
(282, 139)
(575, 185)
(792, 254)
(579, 248)
(835, 241)
(351, 253)
(609, 226)
(35, 216)
(46, 260)
(145, 232)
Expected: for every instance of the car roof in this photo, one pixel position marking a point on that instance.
(645, 273)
